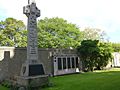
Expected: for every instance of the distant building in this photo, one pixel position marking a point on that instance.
(116, 59)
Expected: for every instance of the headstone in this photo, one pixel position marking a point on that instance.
(32, 70)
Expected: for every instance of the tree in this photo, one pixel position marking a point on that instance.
(89, 52)
(94, 34)
(105, 55)
(58, 33)
(116, 47)
(13, 33)
(95, 54)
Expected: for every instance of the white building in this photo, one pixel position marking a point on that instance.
(116, 59)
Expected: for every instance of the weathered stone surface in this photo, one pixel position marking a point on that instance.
(32, 12)
(32, 72)
(21, 88)
(35, 81)
(12, 64)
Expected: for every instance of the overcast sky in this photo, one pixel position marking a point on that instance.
(102, 14)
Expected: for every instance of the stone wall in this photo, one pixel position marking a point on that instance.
(11, 60)
(5, 56)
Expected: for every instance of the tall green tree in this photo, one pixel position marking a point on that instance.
(95, 54)
(88, 51)
(58, 33)
(94, 34)
(105, 55)
(13, 33)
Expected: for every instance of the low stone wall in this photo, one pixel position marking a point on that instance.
(11, 60)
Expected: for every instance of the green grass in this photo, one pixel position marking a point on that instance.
(98, 80)
(3, 88)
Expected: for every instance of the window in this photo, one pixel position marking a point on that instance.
(77, 62)
(64, 63)
(68, 61)
(59, 64)
(73, 62)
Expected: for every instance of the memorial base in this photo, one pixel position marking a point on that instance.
(32, 75)
(32, 70)
(33, 81)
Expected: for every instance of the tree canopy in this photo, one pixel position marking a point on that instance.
(94, 54)
(88, 51)
(94, 34)
(12, 33)
(116, 47)
(105, 55)
(58, 33)
(52, 33)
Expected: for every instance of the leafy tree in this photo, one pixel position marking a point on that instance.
(105, 55)
(58, 33)
(89, 52)
(95, 54)
(52, 33)
(116, 47)
(12, 33)
(94, 34)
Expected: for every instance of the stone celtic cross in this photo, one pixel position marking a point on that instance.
(32, 12)
(32, 71)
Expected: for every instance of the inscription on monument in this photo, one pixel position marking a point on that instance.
(36, 70)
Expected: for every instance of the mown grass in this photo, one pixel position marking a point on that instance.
(98, 80)
(3, 88)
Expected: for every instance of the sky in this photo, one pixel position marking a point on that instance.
(102, 14)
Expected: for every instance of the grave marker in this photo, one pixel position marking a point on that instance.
(32, 70)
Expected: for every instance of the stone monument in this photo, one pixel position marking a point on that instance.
(32, 72)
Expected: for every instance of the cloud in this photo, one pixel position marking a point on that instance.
(103, 14)
(2, 14)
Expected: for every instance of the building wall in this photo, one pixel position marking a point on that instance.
(5, 56)
(116, 59)
(11, 60)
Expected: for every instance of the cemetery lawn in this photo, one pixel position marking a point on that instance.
(98, 80)
(3, 88)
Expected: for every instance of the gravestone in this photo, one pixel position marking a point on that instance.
(32, 71)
